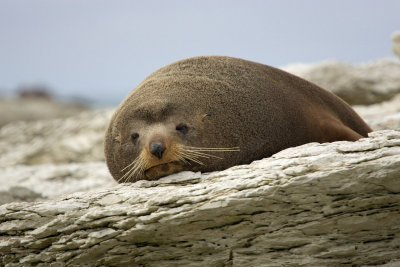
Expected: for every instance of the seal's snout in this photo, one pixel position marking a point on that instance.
(157, 149)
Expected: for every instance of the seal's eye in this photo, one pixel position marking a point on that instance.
(181, 127)
(134, 137)
(207, 115)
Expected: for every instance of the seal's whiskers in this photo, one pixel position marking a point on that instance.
(181, 158)
(135, 168)
(221, 149)
(190, 153)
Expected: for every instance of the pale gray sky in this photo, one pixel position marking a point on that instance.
(102, 49)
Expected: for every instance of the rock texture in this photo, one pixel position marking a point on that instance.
(315, 205)
(74, 139)
(364, 84)
(385, 115)
(48, 181)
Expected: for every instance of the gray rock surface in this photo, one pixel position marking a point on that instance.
(47, 181)
(315, 205)
(362, 84)
(381, 116)
(74, 139)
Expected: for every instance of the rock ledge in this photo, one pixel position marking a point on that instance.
(315, 205)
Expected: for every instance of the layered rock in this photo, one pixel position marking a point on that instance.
(74, 139)
(362, 84)
(385, 115)
(317, 205)
(48, 181)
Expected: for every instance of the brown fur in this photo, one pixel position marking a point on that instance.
(256, 107)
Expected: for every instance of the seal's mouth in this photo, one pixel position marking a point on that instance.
(163, 166)
(164, 169)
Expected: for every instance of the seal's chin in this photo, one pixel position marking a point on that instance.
(162, 170)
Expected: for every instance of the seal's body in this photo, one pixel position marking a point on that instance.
(211, 113)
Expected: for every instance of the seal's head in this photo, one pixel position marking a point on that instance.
(157, 137)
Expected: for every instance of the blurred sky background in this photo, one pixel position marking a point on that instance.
(100, 50)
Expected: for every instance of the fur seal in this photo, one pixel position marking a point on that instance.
(210, 113)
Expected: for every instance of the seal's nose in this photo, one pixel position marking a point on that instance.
(157, 149)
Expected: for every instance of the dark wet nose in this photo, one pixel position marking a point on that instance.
(157, 149)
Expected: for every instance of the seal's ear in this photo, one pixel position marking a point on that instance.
(205, 116)
(115, 135)
(117, 138)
